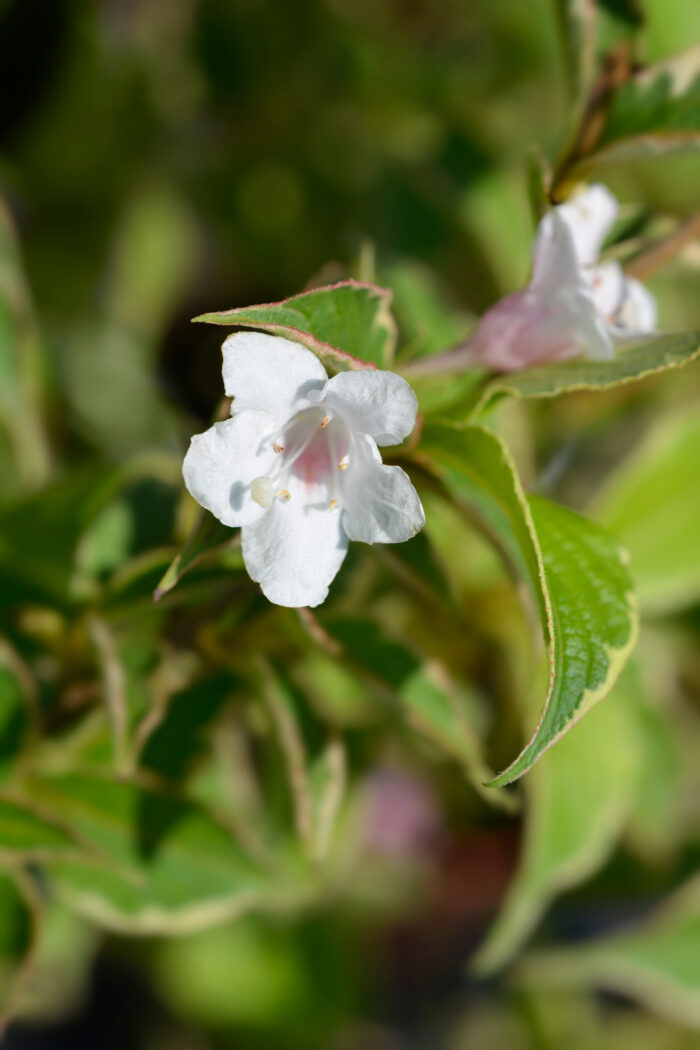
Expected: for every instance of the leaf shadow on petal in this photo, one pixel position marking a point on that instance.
(237, 494)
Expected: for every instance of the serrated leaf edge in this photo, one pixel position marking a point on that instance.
(324, 351)
(501, 385)
(617, 657)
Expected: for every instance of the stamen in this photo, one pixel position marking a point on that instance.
(344, 463)
(264, 490)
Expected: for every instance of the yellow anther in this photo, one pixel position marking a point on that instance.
(333, 504)
(277, 448)
(283, 494)
(325, 421)
(344, 463)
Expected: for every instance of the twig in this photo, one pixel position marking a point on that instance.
(294, 754)
(114, 686)
(332, 797)
(459, 359)
(661, 253)
(318, 633)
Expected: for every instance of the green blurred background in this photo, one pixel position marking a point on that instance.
(161, 158)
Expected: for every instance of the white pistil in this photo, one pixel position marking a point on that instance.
(263, 491)
(332, 450)
(289, 463)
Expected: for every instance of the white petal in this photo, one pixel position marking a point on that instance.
(222, 462)
(591, 332)
(270, 374)
(608, 288)
(526, 328)
(638, 312)
(381, 404)
(589, 216)
(380, 504)
(296, 549)
(556, 264)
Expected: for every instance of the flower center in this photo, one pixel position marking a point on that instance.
(313, 449)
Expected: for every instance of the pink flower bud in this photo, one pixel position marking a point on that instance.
(573, 306)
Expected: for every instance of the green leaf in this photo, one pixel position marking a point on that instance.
(417, 565)
(154, 257)
(433, 704)
(579, 796)
(18, 932)
(163, 865)
(455, 398)
(20, 371)
(427, 321)
(48, 524)
(61, 967)
(52, 523)
(630, 364)
(106, 368)
(347, 325)
(260, 978)
(629, 11)
(180, 737)
(575, 572)
(652, 502)
(208, 538)
(658, 822)
(27, 834)
(495, 210)
(15, 714)
(314, 764)
(327, 781)
(655, 111)
(436, 706)
(577, 20)
(656, 963)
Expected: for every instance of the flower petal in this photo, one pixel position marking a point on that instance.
(589, 216)
(296, 549)
(591, 332)
(638, 312)
(380, 504)
(270, 374)
(381, 404)
(608, 288)
(526, 328)
(222, 462)
(556, 264)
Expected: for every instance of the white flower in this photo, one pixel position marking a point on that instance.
(573, 305)
(297, 464)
